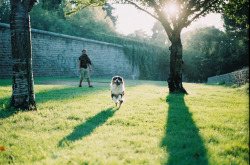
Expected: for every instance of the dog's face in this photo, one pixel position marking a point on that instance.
(117, 80)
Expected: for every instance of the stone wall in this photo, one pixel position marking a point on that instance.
(56, 55)
(239, 77)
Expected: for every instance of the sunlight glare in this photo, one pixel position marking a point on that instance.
(171, 9)
(131, 19)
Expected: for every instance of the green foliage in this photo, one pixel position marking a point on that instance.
(192, 67)
(74, 6)
(51, 4)
(209, 52)
(109, 9)
(5, 11)
(238, 12)
(80, 24)
(83, 126)
(153, 61)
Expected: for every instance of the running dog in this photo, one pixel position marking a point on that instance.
(117, 89)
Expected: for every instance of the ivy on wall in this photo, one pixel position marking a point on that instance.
(153, 61)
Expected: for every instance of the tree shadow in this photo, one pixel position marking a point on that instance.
(6, 110)
(64, 93)
(88, 127)
(182, 141)
(48, 95)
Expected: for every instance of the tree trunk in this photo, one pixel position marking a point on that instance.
(175, 76)
(23, 95)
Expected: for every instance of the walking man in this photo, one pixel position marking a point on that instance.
(84, 64)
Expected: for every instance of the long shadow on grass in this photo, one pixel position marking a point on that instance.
(49, 95)
(88, 127)
(64, 93)
(182, 141)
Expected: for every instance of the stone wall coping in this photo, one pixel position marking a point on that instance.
(65, 36)
(238, 77)
(239, 70)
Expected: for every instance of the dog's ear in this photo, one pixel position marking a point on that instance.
(113, 80)
(120, 78)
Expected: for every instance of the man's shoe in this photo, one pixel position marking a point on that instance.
(80, 85)
(91, 86)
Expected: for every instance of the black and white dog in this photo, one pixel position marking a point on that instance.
(117, 89)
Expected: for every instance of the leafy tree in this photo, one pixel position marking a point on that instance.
(230, 50)
(209, 52)
(91, 23)
(237, 11)
(174, 15)
(5, 11)
(75, 6)
(207, 45)
(109, 9)
(88, 23)
(193, 66)
(23, 95)
(236, 23)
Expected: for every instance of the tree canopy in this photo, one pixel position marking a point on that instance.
(177, 14)
(237, 11)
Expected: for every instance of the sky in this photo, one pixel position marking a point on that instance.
(131, 19)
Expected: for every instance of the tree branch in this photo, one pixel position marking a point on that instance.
(140, 8)
(76, 10)
(200, 13)
(89, 4)
(165, 23)
(29, 4)
(190, 6)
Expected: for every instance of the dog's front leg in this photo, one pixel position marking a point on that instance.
(120, 97)
(114, 99)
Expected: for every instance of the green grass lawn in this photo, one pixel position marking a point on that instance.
(76, 125)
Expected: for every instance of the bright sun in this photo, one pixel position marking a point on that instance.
(129, 22)
(171, 9)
